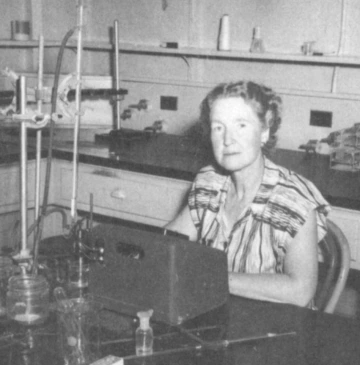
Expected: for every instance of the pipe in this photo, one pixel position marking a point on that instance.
(340, 46)
(212, 345)
(117, 73)
(50, 148)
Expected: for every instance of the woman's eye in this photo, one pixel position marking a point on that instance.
(216, 128)
(241, 125)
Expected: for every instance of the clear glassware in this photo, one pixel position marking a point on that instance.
(6, 270)
(257, 44)
(144, 336)
(78, 278)
(78, 325)
(27, 300)
(78, 272)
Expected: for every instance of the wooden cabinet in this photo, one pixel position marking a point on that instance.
(123, 194)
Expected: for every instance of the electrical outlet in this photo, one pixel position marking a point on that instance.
(320, 118)
(168, 102)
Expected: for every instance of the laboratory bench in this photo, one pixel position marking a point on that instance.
(240, 332)
(145, 179)
(180, 157)
(140, 182)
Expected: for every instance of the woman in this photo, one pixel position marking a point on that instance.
(266, 218)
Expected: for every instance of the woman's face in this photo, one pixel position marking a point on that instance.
(236, 133)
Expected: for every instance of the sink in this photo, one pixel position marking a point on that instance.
(124, 137)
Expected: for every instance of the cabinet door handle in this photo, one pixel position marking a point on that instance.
(118, 194)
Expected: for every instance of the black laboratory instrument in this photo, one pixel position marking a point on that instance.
(142, 270)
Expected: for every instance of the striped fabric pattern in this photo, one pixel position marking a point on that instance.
(259, 239)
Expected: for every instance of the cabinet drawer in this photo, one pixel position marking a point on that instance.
(122, 191)
(10, 185)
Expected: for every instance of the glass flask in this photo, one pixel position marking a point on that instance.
(27, 300)
(6, 270)
(78, 329)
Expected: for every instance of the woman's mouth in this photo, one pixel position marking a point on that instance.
(231, 153)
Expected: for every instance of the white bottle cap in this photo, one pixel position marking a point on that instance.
(144, 318)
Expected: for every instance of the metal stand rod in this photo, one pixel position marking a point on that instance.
(39, 132)
(78, 112)
(117, 72)
(24, 251)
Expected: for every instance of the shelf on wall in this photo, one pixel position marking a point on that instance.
(348, 61)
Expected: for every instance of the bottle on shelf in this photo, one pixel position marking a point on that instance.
(224, 34)
(257, 44)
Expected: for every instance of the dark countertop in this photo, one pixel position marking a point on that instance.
(180, 157)
(313, 338)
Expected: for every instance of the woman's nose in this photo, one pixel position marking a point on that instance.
(228, 137)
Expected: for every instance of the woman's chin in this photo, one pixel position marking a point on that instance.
(231, 166)
(234, 165)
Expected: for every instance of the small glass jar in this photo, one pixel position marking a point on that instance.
(78, 278)
(27, 300)
(6, 270)
(78, 271)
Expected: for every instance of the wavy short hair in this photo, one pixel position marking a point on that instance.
(265, 102)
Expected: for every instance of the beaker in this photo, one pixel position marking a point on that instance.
(78, 330)
(6, 270)
(27, 299)
(78, 277)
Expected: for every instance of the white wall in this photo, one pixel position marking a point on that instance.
(333, 24)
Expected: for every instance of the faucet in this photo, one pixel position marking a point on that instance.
(143, 104)
(126, 114)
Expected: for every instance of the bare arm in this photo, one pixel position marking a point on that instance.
(298, 283)
(184, 224)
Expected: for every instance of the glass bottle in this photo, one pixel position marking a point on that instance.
(27, 299)
(78, 269)
(257, 44)
(224, 35)
(6, 270)
(144, 337)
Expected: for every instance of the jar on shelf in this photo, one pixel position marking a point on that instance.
(6, 270)
(27, 299)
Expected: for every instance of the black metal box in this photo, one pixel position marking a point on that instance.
(177, 278)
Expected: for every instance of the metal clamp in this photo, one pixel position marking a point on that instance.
(35, 121)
